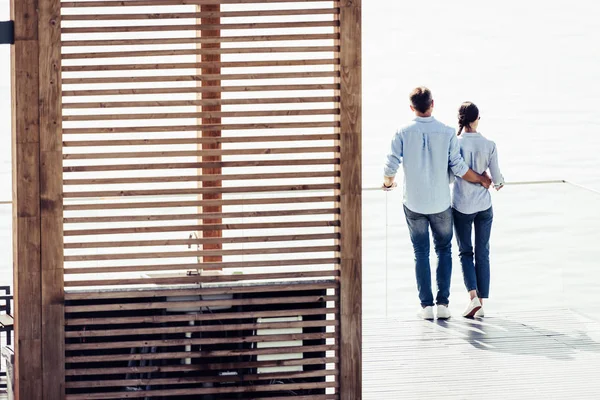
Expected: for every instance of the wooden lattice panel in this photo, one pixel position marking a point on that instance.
(201, 161)
(261, 341)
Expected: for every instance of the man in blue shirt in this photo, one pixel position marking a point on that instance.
(429, 153)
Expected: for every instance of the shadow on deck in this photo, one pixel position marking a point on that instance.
(550, 354)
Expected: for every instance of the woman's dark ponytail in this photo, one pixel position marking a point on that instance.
(467, 114)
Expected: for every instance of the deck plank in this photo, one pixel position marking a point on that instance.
(549, 354)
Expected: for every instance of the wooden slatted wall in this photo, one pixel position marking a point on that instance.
(211, 161)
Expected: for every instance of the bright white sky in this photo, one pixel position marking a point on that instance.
(532, 67)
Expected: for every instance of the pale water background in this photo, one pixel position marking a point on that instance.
(532, 67)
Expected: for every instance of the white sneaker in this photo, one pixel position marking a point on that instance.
(426, 313)
(480, 313)
(443, 312)
(472, 308)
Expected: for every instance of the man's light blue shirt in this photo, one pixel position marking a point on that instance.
(480, 154)
(427, 149)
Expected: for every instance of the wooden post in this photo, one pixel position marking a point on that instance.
(351, 201)
(51, 200)
(37, 200)
(26, 205)
(210, 16)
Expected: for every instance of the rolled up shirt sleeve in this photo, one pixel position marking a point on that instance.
(455, 161)
(497, 177)
(394, 158)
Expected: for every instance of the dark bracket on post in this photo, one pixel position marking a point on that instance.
(7, 32)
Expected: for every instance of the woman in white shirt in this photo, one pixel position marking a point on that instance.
(472, 207)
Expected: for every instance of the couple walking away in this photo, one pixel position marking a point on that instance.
(432, 155)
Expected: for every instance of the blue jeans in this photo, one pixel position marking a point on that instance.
(476, 270)
(441, 228)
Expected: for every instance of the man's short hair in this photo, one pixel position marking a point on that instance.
(420, 98)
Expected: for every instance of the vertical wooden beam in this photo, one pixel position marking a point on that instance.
(208, 18)
(51, 204)
(351, 200)
(26, 205)
(37, 200)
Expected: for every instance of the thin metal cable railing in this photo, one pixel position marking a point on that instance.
(365, 189)
(548, 212)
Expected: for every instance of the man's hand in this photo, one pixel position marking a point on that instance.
(486, 181)
(473, 177)
(389, 188)
(388, 183)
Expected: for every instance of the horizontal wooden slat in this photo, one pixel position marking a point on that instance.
(208, 114)
(162, 305)
(200, 178)
(106, 333)
(109, 334)
(199, 89)
(202, 253)
(200, 367)
(197, 341)
(195, 15)
(200, 203)
(311, 397)
(199, 140)
(200, 354)
(199, 241)
(190, 52)
(180, 192)
(200, 291)
(198, 128)
(137, 3)
(202, 227)
(221, 316)
(205, 102)
(204, 391)
(196, 380)
(203, 216)
(200, 27)
(192, 40)
(198, 65)
(195, 165)
(200, 279)
(199, 153)
(204, 266)
(199, 78)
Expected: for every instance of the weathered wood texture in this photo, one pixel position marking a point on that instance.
(37, 200)
(51, 200)
(540, 352)
(26, 205)
(204, 148)
(195, 139)
(350, 200)
(210, 346)
(210, 17)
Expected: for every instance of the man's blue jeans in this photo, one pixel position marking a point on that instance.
(475, 273)
(441, 228)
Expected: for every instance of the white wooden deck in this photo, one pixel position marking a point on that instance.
(541, 336)
(549, 354)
